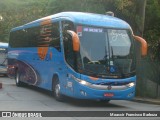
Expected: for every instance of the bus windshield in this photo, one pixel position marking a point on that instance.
(107, 53)
(3, 55)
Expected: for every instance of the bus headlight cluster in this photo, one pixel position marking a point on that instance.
(83, 82)
(131, 84)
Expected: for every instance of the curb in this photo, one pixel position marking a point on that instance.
(147, 100)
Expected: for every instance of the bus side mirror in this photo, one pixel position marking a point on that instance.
(75, 40)
(143, 45)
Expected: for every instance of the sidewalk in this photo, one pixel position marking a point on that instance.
(147, 100)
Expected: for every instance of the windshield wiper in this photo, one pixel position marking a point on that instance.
(112, 53)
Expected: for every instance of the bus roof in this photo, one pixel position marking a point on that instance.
(3, 45)
(90, 19)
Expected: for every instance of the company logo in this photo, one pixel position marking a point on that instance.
(6, 114)
(109, 87)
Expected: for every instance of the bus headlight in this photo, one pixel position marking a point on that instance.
(131, 84)
(82, 82)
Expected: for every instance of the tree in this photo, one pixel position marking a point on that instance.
(152, 27)
(132, 11)
(24, 12)
(141, 12)
(56, 6)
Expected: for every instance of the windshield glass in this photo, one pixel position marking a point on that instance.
(105, 52)
(3, 55)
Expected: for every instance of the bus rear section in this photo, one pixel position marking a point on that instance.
(3, 58)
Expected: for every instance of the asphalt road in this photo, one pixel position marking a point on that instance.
(28, 98)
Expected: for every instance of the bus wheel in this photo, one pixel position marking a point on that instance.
(56, 89)
(17, 79)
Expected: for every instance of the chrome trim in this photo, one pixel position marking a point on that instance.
(103, 87)
(106, 87)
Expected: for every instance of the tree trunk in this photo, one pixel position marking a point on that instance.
(141, 6)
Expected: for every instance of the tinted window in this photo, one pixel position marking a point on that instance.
(55, 36)
(67, 42)
(68, 49)
(67, 25)
(41, 36)
(24, 38)
(3, 54)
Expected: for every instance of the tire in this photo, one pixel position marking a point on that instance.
(17, 79)
(56, 90)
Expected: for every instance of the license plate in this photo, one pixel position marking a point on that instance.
(108, 94)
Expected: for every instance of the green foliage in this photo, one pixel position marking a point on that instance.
(76, 5)
(19, 12)
(152, 28)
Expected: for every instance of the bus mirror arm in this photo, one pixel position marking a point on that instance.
(75, 40)
(143, 45)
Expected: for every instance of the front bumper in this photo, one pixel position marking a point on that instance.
(123, 90)
(83, 92)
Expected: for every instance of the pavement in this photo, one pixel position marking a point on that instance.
(136, 99)
(147, 100)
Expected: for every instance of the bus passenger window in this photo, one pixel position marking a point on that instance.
(67, 25)
(67, 42)
(55, 41)
(68, 49)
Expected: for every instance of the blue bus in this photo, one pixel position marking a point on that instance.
(75, 54)
(3, 58)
